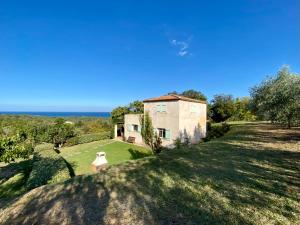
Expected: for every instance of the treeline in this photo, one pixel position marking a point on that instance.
(276, 99)
(20, 134)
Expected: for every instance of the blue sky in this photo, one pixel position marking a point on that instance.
(94, 55)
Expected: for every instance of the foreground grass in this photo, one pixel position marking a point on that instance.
(81, 156)
(250, 176)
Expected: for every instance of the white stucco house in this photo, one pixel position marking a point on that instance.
(173, 117)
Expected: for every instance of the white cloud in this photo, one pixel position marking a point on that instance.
(183, 47)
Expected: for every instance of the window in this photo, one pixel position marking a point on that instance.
(193, 109)
(135, 127)
(161, 108)
(164, 133)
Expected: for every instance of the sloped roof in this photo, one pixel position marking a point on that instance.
(173, 97)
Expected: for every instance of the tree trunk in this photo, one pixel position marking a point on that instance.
(289, 122)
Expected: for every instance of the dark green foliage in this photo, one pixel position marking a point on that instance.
(157, 144)
(198, 95)
(14, 147)
(136, 107)
(149, 136)
(243, 110)
(88, 138)
(216, 131)
(118, 113)
(60, 133)
(178, 144)
(48, 167)
(222, 107)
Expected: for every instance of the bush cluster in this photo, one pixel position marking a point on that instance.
(48, 167)
(88, 138)
(216, 130)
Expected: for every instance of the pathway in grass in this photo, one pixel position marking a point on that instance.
(81, 156)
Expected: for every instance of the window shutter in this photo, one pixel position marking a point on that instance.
(163, 108)
(158, 108)
(128, 127)
(168, 134)
(139, 129)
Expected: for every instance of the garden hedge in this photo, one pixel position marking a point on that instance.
(216, 130)
(88, 138)
(48, 167)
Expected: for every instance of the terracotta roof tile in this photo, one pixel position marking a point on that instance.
(173, 97)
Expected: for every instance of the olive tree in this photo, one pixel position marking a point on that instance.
(278, 98)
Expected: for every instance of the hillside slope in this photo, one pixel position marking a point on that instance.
(250, 176)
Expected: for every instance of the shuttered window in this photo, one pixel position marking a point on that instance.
(161, 108)
(164, 133)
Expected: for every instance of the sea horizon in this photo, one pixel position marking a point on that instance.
(57, 114)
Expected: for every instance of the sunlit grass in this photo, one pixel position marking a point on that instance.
(81, 156)
(249, 176)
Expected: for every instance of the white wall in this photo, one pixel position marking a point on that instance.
(129, 120)
(168, 120)
(192, 120)
(182, 119)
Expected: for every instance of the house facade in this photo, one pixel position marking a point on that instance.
(173, 117)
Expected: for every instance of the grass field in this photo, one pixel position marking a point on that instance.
(81, 156)
(249, 176)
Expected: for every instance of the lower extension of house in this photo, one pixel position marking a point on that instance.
(172, 116)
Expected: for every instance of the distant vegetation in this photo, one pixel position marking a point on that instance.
(20, 134)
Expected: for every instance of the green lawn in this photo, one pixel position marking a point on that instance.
(81, 156)
(249, 176)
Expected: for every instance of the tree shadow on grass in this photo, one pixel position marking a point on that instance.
(13, 178)
(214, 183)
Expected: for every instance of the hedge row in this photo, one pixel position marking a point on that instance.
(88, 138)
(48, 167)
(216, 130)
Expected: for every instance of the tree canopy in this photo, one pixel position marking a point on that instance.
(198, 95)
(16, 146)
(191, 93)
(222, 107)
(278, 98)
(118, 113)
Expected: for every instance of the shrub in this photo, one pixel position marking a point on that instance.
(177, 143)
(88, 138)
(157, 144)
(216, 131)
(48, 167)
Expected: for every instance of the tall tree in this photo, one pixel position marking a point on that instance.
(149, 136)
(278, 98)
(222, 107)
(198, 95)
(136, 107)
(243, 111)
(118, 113)
(60, 133)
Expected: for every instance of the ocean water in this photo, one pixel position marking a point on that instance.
(61, 114)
